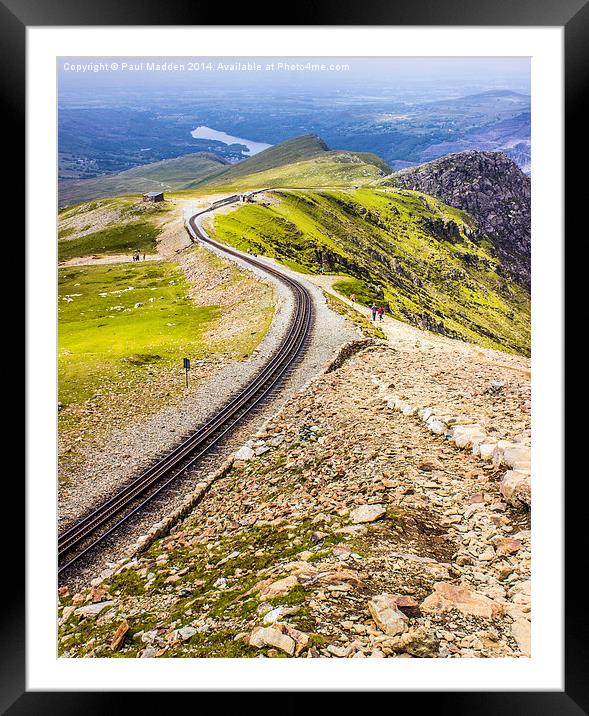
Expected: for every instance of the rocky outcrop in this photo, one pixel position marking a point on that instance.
(493, 190)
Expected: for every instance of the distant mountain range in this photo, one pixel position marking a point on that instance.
(497, 120)
(105, 136)
(510, 136)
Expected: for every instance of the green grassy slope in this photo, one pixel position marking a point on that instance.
(289, 152)
(332, 169)
(110, 226)
(300, 162)
(125, 327)
(397, 246)
(169, 174)
(106, 338)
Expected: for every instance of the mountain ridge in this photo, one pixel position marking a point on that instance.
(307, 160)
(426, 261)
(492, 189)
(295, 152)
(447, 242)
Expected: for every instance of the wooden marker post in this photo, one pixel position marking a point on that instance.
(187, 368)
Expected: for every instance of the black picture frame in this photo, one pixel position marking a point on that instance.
(573, 16)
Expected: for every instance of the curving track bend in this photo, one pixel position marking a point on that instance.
(83, 536)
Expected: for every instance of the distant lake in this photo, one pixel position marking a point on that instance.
(208, 133)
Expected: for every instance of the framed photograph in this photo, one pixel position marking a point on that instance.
(295, 354)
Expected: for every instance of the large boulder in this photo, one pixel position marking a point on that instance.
(278, 588)
(521, 630)
(367, 513)
(244, 453)
(386, 614)
(93, 610)
(516, 487)
(448, 596)
(273, 637)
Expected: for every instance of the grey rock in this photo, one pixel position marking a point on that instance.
(186, 632)
(93, 610)
(244, 453)
(367, 513)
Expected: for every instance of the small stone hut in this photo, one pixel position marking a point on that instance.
(154, 196)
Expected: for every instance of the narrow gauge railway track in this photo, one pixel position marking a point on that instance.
(83, 536)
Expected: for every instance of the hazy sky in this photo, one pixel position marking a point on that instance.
(400, 77)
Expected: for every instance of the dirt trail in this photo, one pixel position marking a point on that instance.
(112, 259)
(403, 335)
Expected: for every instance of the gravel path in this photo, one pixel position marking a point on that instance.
(111, 259)
(129, 450)
(445, 374)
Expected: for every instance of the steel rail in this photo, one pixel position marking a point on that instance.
(182, 457)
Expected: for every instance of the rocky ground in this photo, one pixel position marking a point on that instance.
(453, 377)
(365, 519)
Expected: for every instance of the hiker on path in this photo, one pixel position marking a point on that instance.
(381, 313)
(374, 309)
